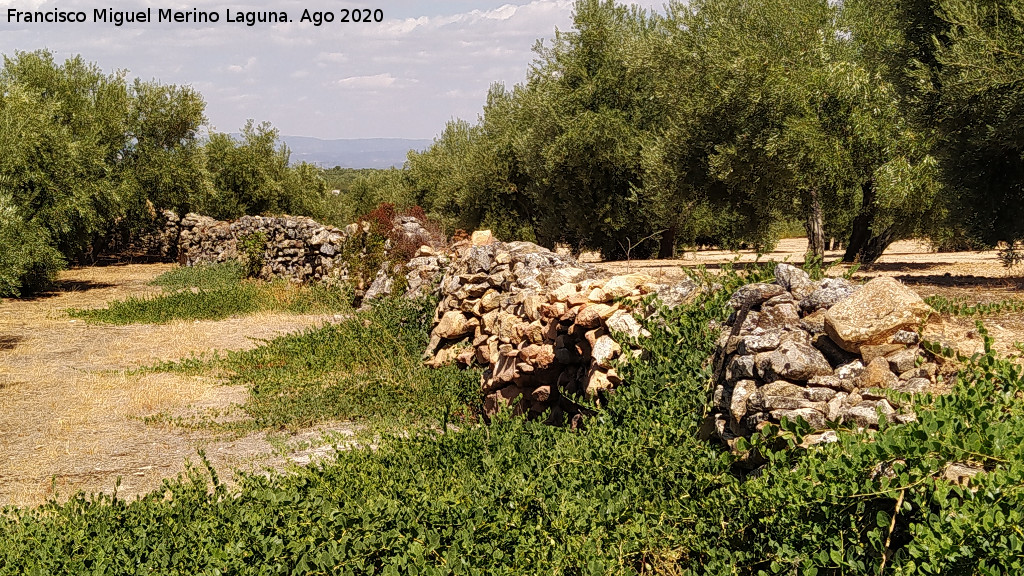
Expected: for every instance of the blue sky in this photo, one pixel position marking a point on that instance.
(426, 63)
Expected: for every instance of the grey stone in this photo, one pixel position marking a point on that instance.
(741, 367)
(905, 337)
(762, 341)
(913, 386)
(794, 280)
(796, 360)
(828, 293)
(815, 418)
(754, 294)
(903, 360)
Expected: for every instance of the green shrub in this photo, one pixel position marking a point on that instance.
(203, 277)
(28, 261)
(366, 366)
(254, 248)
(634, 492)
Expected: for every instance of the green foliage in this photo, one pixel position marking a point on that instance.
(28, 262)
(635, 492)
(214, 292)
(204, 277)
(253, 248)
(367, 366)
(962, 307)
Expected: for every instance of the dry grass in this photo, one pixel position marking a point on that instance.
(71, 416)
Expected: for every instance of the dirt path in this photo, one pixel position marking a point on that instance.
(70, 417)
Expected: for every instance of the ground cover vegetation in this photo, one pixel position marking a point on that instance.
(217, 291)
(720, 120)
(635, 491)
(365, 367)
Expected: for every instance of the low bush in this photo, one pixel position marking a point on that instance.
(634, 492)
(962, 307)
(28, 261)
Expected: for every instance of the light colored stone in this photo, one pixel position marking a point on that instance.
(598, 295)
(482, 238)
(597, 382)
(814, 417)
(566, 275)
(605, 350)
(870, 352)
(564, 292)
(754, 295)
(874, 314)
(903, 360)
(452, 325)
(913, 386)
(624, 285)
(623, 322)
(594, 315)
(877, 375)
(490, 301)
(794, 280)
(795, 360)
(829, 292)
(538, 355)
(740, 394)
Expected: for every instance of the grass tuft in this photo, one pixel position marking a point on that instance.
(215, 292)
(366, 367)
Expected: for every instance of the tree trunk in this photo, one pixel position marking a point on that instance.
(876, 245)
(861, 223)
(865, 247)
(815, 228)
(668, 243)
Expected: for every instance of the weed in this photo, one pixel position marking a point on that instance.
(203, 277)
(635, 492)
(215, 292)
(961, 307)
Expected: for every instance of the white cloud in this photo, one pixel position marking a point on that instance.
(243, 67)
(405, 76)
(364, 82)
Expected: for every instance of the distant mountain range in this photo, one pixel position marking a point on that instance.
(352, 153)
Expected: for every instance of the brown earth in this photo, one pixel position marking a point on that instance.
(71, 416)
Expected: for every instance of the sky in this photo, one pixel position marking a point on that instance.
(424, 64)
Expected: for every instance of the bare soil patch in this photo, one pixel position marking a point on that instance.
(71, 417)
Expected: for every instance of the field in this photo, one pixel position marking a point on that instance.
(75, 413)
(71, 414)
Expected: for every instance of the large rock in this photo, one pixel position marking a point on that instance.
(794, 280)
(874, 314)
(755, 294)
(452, 325)
(794, 360)
(829, 292)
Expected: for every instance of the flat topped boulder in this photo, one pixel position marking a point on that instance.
(875, 313)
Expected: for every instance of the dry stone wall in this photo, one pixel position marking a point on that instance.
(823, 351)
(291, 247)
(539, 323)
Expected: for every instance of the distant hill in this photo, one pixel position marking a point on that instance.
(353, 153)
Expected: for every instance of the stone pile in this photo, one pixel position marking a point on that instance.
(291, 247)
(823, 351)
(540, 324)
